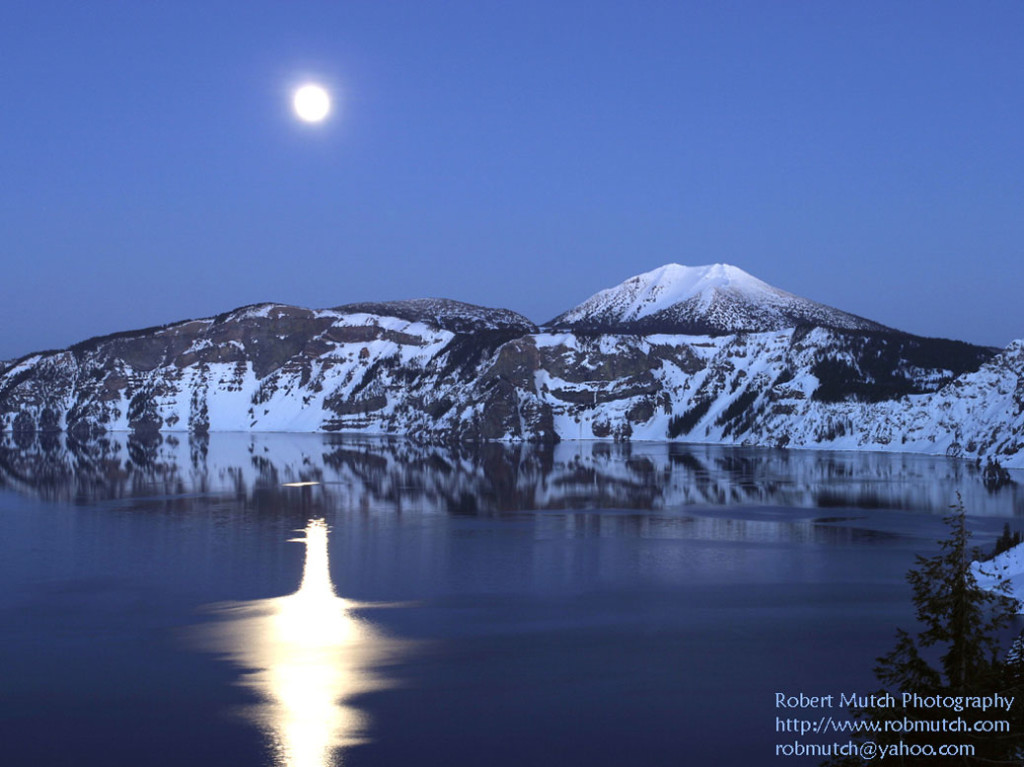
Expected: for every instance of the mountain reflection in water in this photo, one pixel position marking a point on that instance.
(395, 475)
(305, 655)
(583, 603)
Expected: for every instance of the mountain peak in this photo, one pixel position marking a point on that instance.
(712, 299)
(446, 313)
(672, 283)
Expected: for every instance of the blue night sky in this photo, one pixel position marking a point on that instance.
(869, 155)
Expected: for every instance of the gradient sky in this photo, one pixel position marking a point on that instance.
(869, 155)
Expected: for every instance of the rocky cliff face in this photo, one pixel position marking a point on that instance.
(444, 371)
(380, 367)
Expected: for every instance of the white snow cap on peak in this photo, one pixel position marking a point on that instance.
(712, 298)
(671, 284)
(674, 283)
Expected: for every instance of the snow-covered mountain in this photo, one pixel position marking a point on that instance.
(1003, 570)
(713, 299)
(444, 313)
(443, 370)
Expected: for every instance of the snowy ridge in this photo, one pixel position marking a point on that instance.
(759, 389)
(446, 314)
(1006, 567)
(443, 370)
(1005, 570)
(381, 375)
(702, 299)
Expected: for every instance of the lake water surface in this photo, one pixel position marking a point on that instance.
(310, 600)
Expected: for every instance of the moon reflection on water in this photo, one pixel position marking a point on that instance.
(305, 655)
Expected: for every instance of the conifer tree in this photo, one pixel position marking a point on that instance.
(957, 651)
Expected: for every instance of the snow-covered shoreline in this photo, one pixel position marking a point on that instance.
(1006, 567)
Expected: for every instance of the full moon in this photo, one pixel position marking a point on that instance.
(312, 103)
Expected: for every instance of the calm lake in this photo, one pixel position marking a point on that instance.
(311, 600)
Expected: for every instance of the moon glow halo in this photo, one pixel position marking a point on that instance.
(312, 103)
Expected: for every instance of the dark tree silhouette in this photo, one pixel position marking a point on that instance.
(959, 652)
